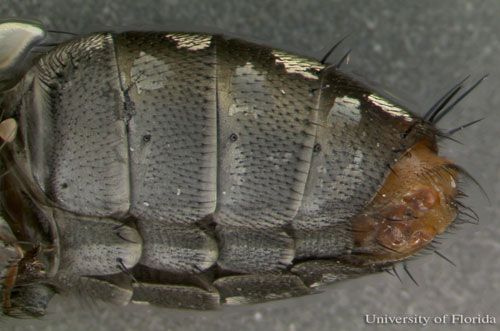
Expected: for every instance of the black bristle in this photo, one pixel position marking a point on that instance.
(440, 114)
(343, 59)
(396, 273)
(445, 258)
(125, 270)
(63, 32)
(405, 267)
(441, 103)
(461, 127)
(332, 49)
(468, 176)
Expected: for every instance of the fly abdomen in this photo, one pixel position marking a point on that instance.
(190, 126)
(190, 170)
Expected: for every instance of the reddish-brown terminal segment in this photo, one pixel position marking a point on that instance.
(411, 208)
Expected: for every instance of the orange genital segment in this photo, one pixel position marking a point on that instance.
(410, 209)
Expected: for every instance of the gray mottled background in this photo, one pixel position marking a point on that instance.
(419, 48)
